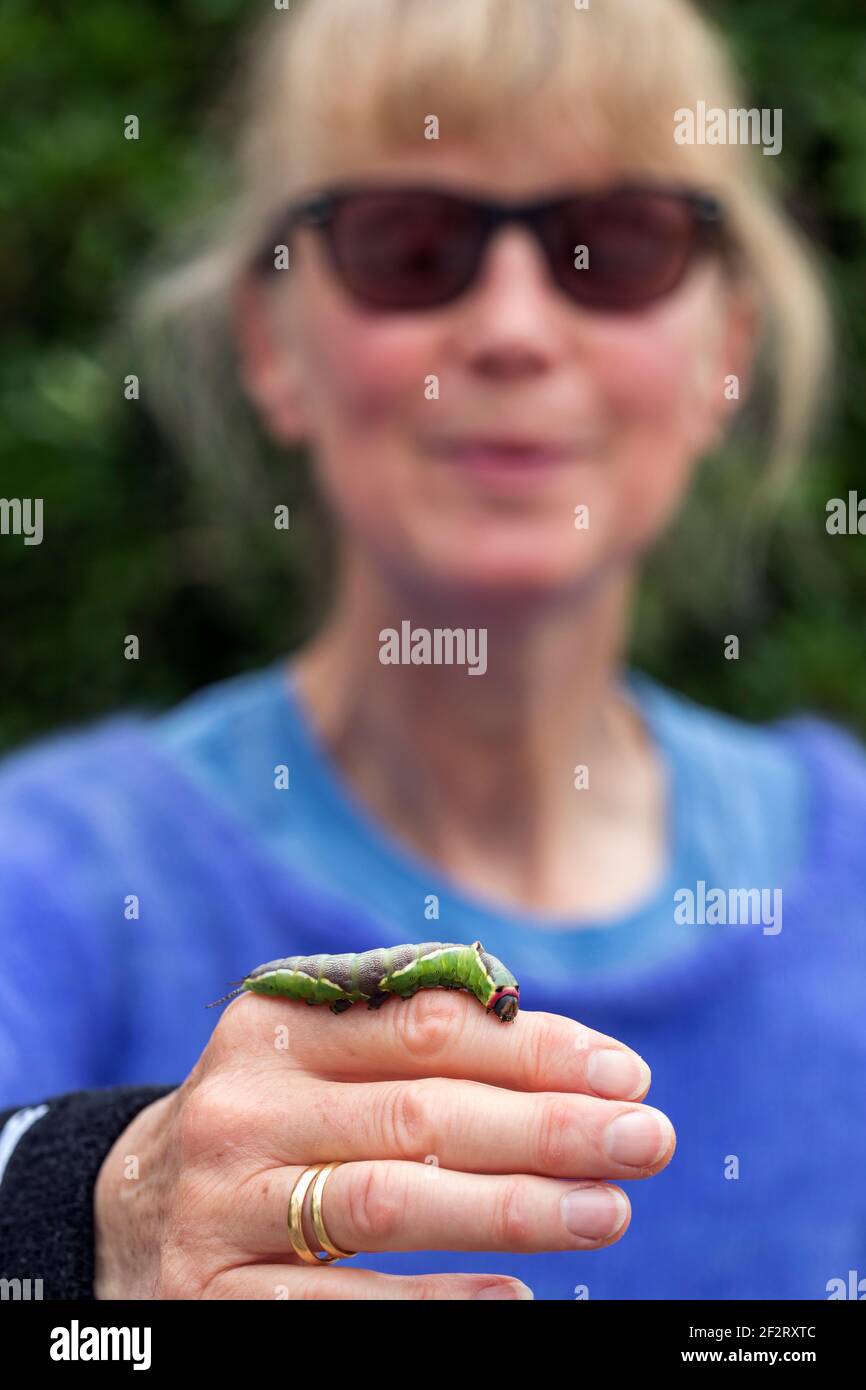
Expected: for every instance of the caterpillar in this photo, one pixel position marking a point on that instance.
(342, 981)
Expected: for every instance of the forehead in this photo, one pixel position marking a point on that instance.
(510, 164)
(589, 145)
(506, 168)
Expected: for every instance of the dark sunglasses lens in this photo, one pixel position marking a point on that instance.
(404, 251)
(638, 247)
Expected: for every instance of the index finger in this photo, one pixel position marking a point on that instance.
(444, 1032)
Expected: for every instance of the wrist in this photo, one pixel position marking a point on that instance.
(125, 1222)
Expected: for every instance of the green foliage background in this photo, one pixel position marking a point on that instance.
(133, 542)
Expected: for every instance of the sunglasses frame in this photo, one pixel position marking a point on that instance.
(319, 208)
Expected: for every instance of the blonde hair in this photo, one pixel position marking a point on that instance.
(331, 82)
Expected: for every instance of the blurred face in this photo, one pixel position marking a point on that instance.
(607, 412)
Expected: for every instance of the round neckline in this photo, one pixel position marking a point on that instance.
(343, 803)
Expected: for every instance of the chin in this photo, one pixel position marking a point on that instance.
(512, 581)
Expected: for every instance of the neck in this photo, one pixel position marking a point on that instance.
(478, 770)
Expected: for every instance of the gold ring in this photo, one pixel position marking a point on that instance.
(321, 1172)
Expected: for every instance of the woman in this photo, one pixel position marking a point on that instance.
(513, 309)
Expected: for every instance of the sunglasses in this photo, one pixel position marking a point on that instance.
(403, 249)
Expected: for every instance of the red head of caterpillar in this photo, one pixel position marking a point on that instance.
(373, 976)
(503, 997)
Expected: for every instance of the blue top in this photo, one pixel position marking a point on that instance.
(755, 1029)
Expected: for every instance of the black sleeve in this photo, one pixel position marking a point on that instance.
(50, 1157)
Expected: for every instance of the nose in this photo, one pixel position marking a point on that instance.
(512, 321)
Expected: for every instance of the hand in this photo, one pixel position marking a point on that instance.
(455, 1132)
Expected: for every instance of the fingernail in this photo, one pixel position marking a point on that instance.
(594, 1211)
(512, 1290)
(639, 1137)
(622, 1075)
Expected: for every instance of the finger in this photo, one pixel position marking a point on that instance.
(288, 1282)
(392, 1205)
(463, 1125)
(444, 1033)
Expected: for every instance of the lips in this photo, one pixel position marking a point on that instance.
(497, 454)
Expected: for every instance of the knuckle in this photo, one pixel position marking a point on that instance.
(228, 1035)
(407, 1117)
(377, 1205)
(555, 1141)
(427, 1022)
(543, 1044)
(245, 1031)
(436, 1288)
(208, 1116)
(513, 1220)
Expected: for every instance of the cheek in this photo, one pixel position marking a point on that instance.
(662, 381)
(650, 378)
(656, 376)
(359, 370)
(363, 380)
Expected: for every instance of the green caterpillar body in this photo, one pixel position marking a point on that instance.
(373, 976)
